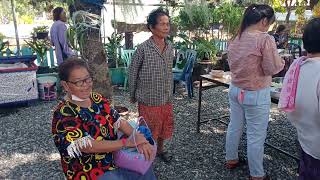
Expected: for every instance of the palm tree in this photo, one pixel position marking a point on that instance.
(93, 49)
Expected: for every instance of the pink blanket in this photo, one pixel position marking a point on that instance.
(289, 87)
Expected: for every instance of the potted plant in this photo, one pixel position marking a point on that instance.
(115, 63)
(41, 32)
(206, 55)
(206, 50)
(40, 46)
(3, 44)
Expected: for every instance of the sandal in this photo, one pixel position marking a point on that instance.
(165, 157)
(235, 165)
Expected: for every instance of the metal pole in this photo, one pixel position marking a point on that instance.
(15, 25)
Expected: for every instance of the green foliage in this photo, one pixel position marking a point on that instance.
(229, 15)
(112, 47)
(27, 10)
(206, 50)
(27, 19)
(40, 46)
(2, 36)
(277, 6)
(41, 29)
(185, 42)
(3, 43)
(194, 16)
(72, 38)
(301, 8)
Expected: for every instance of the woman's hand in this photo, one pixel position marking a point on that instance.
(146, 150)
(139, 139)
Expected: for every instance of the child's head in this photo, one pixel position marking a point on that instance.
(311, 36)
(261, 15)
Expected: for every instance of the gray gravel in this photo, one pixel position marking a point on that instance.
(27, 150)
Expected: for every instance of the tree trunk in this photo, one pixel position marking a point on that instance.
(288, 16)
(288, 4)
(94, 52)
(15, 25)
(128, 36)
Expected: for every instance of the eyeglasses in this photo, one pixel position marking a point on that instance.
(80, 83)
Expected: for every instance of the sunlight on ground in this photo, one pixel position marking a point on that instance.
(53, 157)
(19, 159)
(218, 130)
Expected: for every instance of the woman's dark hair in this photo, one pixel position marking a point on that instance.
(56, 13)
(255, 13)
(280, 28)
(154, 15)
(68, 65)
(311, 36)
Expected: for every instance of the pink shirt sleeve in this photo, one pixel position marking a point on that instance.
(271, 61)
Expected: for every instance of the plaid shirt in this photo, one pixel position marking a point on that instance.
(150, 74)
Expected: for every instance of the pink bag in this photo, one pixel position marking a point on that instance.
(132, 159)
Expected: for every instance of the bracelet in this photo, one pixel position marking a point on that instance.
(124, 141)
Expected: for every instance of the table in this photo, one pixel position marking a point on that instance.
(225, 82)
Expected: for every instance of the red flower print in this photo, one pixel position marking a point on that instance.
(106, 108)
(95, 173)
(101, 119)
(82, 175)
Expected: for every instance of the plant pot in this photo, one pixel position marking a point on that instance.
(42, 35)
(54, 74)
(43, 70)
(117, 75)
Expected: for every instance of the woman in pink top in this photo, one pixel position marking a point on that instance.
(253, 59)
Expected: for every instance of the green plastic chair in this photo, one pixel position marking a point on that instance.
(221, 44)
(25, 51)
(126, 56)
(295, 40)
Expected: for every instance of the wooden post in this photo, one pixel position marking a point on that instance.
(128, 36)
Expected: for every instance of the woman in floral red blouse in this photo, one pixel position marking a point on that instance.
(84, 128)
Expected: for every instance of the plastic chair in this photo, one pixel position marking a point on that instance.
(295, 40)
(126, 56)
(25, 51)
(186, 75)
(221, 44)
(179, 62)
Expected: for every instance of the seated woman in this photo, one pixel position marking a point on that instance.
(84, 128)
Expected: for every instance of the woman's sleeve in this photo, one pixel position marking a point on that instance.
(66, 130)
(272, 63)
(133, 71)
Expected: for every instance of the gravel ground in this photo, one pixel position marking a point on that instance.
(27, 150)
